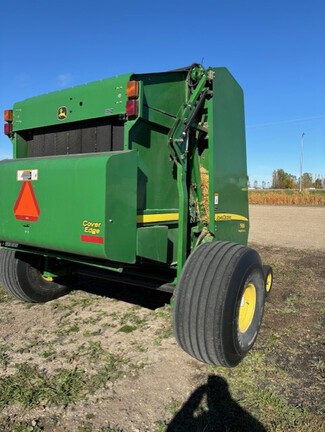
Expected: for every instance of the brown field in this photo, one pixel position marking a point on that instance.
(287, 197)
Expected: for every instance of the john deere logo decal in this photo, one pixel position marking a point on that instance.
(62, 113)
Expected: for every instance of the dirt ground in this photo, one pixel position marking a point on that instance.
(289, 226)
(104, 358)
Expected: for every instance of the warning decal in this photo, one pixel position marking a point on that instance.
(27, 175)
(26, 207)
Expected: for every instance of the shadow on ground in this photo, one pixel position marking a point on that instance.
(211, 408)
(147, 298)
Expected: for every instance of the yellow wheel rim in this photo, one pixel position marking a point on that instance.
(247, 308)
(47, 278)
(268, 283)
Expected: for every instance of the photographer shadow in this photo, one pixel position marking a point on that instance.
(212, 409)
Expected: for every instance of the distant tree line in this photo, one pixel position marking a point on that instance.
(284, 180)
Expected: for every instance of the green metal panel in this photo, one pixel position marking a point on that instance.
(152, 243)
(157, 184)
(228, 194)
(121, 206)
(161, 96)
(87, 204)
(164, 92)
(98, 99)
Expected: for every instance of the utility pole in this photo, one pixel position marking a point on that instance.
(301, 159)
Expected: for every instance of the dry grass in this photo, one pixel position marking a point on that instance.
(205, 193)
(287, 197)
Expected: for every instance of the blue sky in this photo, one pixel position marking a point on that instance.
(274, 48)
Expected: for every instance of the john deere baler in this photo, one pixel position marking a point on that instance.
(140, 178)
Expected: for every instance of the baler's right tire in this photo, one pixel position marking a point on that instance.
(20, 275)
(268, 276)
(219, 303)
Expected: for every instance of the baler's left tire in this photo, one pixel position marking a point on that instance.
(219, 303)
(20, 275)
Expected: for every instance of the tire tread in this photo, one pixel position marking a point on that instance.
(13, 277)
(199, 312)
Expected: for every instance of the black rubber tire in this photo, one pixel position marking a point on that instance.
(21, 277)
(208, 299)
(268, 279)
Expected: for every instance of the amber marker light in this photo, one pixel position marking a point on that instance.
(8, 116)
(132, 89)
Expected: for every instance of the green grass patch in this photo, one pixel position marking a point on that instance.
(92, 351)
(127, 328)
(8, 424)
(95, 318)
(4, 356)
(88, 427)
(262, 388)
(4, 296)
(69, 304)
(113, 368)
(29, 386)
(165, 331)
(130, 320)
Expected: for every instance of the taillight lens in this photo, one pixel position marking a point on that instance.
(132, 89)
(7, 128)
(131, 108)
(8, 115)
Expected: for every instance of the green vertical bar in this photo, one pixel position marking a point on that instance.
(183, 216)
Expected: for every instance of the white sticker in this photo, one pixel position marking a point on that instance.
(27, 175)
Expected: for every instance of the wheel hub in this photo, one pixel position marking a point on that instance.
(268, 282)
(247, 308)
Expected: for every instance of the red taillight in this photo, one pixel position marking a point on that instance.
(132, 104)
(7, 128)
(131, 108)
(8, 115)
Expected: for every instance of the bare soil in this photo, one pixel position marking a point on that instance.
(103, 358)
(289, 226)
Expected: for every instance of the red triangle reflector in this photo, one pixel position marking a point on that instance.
(26, 207)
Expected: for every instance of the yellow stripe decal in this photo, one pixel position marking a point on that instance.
(161, 217)
(171, 217)
(224, 217)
